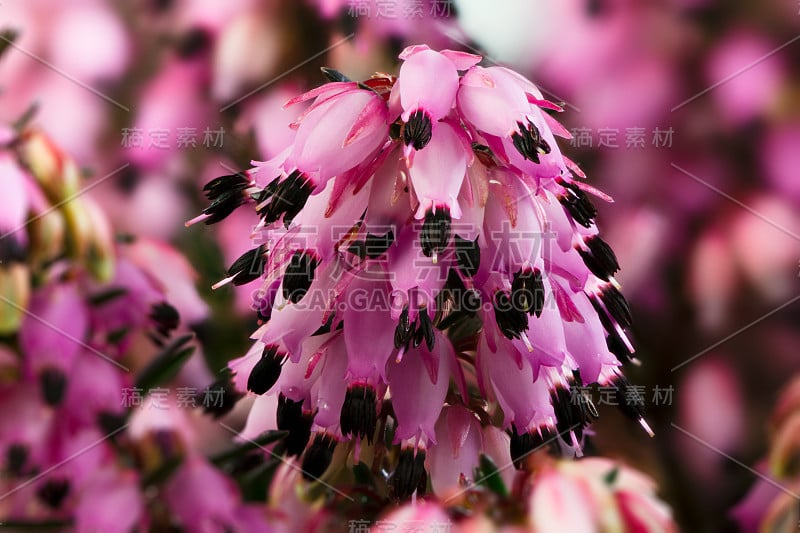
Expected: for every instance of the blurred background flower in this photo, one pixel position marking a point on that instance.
(686, 112)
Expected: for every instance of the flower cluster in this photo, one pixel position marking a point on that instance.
(83, 316)
(431, 274)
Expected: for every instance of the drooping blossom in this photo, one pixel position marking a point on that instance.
(85, 436)
(423, 239)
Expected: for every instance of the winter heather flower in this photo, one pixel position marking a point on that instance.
(101, 328)
(431, 276)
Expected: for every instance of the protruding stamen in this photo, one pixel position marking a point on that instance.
(249, 266)
(334, 75)
(54, 384)
(226, 194)
(528, 141)
(527, 291)
(599, 258)
(410, 476)
(404, 331)
(266, 371)
(426, 328)
(418, 130)
(286, 197)
(299, 276)
(578, 204)
(522, 445)
(359, 415)
(646, 427)
(468, 255)
(618, 347)
(292, 418)
(617, 306)
(435, 234)
(318, 456)
(511, 321)
(573, 408)
(373, 246)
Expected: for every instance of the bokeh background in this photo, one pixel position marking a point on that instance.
(686, 112)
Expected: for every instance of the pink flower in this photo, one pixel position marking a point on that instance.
(750, 92)
(111, 502)
(420, 235)
(595, 495)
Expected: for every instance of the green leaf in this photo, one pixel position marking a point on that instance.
(489, 476)
(166, 364)
(255, 483)
(612, 476)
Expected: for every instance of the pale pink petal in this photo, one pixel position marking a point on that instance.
(409, 382)
(415, 79)
(439, 170)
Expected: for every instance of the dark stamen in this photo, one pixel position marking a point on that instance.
(527, 292)
(435, 234)
(511, 321)
(54, 385)
(426, 328)
(523, 445)
(166, 317)
(617, 306)
(333, 74)
(528, 141)
(373, 246)
(11, 250)
(617, 346)
(193, 43)
(359, 415)
(600, 258)
(16, 458)
(318, 456)
(578, 204)
(628, 398)
(468, 255)
(573, 408)
(376, 245)
(226, 194)
(410, 474)
(249, 267)
(418, 130)
(291, 418)
(299, 276)
(53, 492)
(287, 198)
(404, 330)
(266, 371)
